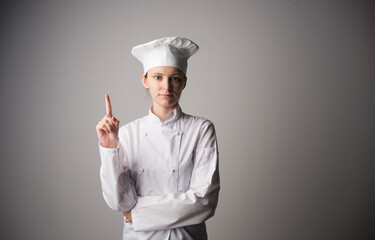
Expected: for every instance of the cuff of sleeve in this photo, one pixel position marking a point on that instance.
(109, 149)
(137, 216)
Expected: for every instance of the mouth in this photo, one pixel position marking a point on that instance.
(166, 95)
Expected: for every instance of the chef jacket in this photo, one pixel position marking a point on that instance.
(165, 172)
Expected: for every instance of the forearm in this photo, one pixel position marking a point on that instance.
(117, 187)
(172, 210)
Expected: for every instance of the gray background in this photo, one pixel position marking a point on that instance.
(289, 85)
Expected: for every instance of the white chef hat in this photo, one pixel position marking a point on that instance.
(169, 51)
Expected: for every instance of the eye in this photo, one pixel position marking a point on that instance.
(157, 77)
(175, 79)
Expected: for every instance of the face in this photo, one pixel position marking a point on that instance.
(165, 85)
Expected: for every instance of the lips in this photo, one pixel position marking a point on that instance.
(166, 95)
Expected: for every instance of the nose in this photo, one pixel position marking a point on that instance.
(167, 84)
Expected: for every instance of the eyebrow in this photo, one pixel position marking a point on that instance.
(173, 74)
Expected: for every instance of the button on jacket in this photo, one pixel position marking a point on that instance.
(166, 173)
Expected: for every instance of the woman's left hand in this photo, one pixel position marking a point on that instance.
(128, 216)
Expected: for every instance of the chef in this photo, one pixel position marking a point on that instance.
(161, 170)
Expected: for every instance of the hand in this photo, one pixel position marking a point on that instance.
(128, 216)
(107, 128)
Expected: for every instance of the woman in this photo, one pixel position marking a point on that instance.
(161, 170)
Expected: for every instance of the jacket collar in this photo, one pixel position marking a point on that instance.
(169, 119)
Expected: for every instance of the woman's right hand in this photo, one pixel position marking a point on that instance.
(107, 128)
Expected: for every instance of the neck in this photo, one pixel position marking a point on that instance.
(161, 112)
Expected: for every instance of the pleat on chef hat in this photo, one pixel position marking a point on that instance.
(169, 51)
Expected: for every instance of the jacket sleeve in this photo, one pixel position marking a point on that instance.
(117, 186)
(192, 207)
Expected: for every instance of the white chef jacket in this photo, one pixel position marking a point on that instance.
(166, 172)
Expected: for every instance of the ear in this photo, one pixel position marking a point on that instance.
(144, 81)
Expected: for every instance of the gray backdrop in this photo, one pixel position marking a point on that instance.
(289, 85)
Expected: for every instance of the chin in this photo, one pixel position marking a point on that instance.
(168, 104)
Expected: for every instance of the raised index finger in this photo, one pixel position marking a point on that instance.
(108, 105)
